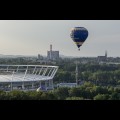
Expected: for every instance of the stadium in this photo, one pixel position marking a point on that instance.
(27, 77)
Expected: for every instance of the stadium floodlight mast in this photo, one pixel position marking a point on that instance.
(76, 71)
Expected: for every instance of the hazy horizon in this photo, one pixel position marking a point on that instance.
(33, 37)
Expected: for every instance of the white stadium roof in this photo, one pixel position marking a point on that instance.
(26, 73)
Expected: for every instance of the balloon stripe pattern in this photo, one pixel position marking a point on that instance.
(79, 35)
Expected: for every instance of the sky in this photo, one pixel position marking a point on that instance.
(33, 37)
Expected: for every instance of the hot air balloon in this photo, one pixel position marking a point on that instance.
(79, 35)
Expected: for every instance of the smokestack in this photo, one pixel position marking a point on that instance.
(50, 47)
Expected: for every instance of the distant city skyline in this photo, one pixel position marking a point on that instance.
(33, 37)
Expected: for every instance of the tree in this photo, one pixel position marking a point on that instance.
(102, 97)
(74, 98)
(115, 96)
(17, 95)
(61, 93)
(3, 95)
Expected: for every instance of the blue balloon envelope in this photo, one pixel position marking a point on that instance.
(79, 35)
